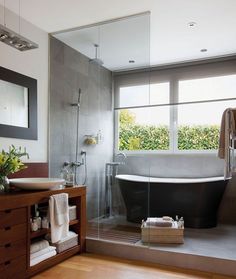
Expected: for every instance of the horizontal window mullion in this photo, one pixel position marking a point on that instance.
(177, 104)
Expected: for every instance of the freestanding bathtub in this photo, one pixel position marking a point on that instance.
(196, 199)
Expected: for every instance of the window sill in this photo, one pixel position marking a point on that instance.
(169, 152)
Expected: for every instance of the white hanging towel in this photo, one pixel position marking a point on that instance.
(227, 140)
(59, 216)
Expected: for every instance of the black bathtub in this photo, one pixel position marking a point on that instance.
(196, 199)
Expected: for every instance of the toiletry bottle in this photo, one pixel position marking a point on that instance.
(39, 220)
(181, 221)
(64, 173)
(99, 137)
(70, 178)
(34, 225)
(45, 223)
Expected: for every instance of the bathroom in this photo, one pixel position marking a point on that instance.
(74, 67)
(87, 66)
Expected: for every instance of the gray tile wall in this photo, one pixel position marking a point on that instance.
(69, 71)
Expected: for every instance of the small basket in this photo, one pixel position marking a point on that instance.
(173, 235)
(67, 244)
(72, 212)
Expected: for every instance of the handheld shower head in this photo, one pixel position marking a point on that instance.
(79, 99)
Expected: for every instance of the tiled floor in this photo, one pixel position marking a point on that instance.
(219, 242)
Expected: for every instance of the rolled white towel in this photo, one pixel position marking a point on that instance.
(38, 245)
(159, 222)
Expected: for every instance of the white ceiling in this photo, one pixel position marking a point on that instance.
(118, 42)
(171, 41)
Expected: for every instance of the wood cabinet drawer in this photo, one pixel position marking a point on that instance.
(13, 233)
(12, 250)
(13, 217)
(14, 268)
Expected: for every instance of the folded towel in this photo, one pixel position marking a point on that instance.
(69, 236)
(38, 245)
(159, 222)
(59, 216)
(41, 258)
(42, 252)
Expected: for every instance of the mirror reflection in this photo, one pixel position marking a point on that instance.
(14, 104)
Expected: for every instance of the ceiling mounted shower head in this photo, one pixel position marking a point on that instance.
(96, 60)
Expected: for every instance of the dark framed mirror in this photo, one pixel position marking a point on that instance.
(18, 105)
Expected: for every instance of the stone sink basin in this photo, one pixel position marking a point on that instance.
(36, 183)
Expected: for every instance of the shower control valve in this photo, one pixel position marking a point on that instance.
(83, 152)
(76, 164)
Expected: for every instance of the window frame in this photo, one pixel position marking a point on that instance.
(173, 76)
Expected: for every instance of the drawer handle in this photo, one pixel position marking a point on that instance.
(7, 245)
(8, 211)
(7, 262)
(7, 228)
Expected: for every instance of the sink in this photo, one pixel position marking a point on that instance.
(36, 183)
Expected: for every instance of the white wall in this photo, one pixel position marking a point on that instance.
(32, 63)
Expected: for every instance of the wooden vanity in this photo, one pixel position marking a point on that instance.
(16, 235)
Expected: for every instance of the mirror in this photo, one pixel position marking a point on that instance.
(14, 104)
(18, 106)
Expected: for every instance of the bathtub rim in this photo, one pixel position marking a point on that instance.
(146, 179)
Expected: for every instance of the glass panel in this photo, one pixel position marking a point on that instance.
(144, 128)
(207, 88)
(87, 115)
(104, 49)
(199, 125)
(125, 46)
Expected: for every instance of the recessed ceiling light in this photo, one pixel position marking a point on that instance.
(192, 24)
(131, 61)
(203, 50)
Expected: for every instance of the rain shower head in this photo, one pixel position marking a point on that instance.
(96, 60)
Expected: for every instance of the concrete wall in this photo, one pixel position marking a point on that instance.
(185, 165)
(69, 71)
(32, 63)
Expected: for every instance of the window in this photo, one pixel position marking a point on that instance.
(144, 128)
(181, 114)
(199, 123)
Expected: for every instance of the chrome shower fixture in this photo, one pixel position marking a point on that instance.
(79, 98)
(15, 40)
(96, 59)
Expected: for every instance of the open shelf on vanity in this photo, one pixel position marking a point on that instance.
(54, 260)
(42, 232)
